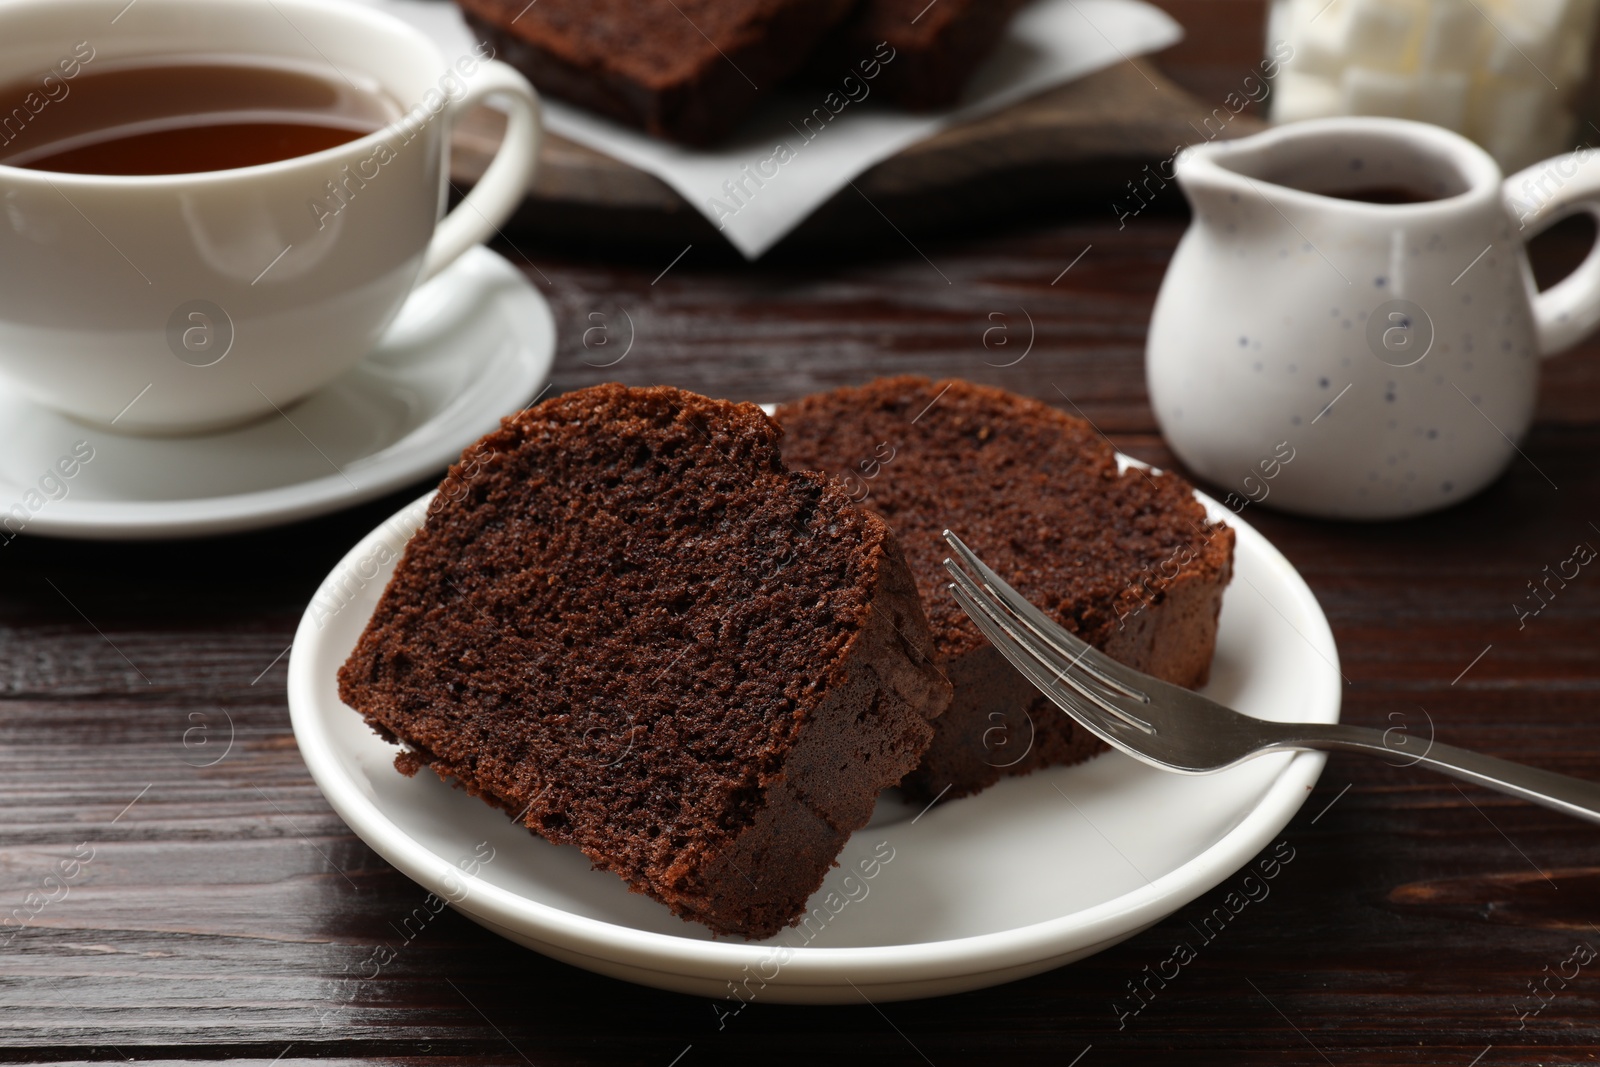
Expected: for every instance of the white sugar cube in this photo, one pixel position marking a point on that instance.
(1523, 47)
(1381, 33)
(1541, 17)
(1441, 98)
(1453, 35)
(1486, 68)
(1296, 96)
(1319, 32)
(1378, 92)
(1280, 24)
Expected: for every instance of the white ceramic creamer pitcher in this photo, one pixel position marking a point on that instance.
(1350, 328)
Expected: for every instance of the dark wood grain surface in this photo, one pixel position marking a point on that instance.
(226, 911)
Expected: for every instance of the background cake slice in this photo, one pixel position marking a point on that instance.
(629, 624)
(937, 46)
(687, 70)
(1128, 561)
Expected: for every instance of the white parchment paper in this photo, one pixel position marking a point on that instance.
(807, 142)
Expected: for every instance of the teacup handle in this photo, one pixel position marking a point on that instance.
(1538, 198)
(503, 185)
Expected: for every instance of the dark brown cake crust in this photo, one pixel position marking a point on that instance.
(628, 623)
(689, 70)
(937, 46)
(1127, 561)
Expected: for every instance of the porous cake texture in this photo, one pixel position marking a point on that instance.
(631, 626)
(1127, 560)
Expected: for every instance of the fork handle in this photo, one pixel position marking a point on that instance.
(1572, 796)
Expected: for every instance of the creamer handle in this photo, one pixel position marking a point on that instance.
(1537, 198)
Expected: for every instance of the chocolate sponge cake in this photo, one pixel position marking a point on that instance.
(687, 70)
(629, 624)
(1128, 561)
(936, 46)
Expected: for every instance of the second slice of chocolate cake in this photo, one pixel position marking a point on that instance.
(1127, 560)
(687, 70)
(936, 47)
(628, 623)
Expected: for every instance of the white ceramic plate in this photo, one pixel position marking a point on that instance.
(978, 891)
(469, 346)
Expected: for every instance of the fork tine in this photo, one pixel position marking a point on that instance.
(1080, 653)
(1089, 715)
(1041, 664)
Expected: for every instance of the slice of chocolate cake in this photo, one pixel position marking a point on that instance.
(628, 623)
(687, 70)
(1128, 561)
(936, 46)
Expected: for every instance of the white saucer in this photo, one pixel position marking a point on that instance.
(471, 345)
(979, 891)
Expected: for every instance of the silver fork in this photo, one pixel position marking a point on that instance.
(1174, 729)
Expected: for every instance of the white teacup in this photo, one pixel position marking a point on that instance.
(186, 302)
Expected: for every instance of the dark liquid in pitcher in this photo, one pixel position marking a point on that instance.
(182, 115)
(1383, 194)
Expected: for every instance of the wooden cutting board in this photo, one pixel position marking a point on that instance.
(1091, 135)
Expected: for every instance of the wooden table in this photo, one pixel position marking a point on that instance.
(226, 909)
